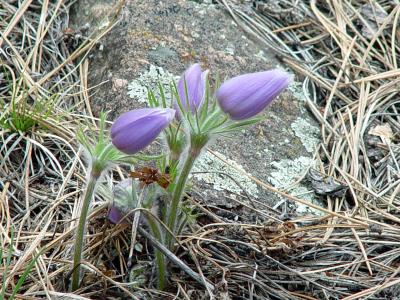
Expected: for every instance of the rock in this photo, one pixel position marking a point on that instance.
(157, 40)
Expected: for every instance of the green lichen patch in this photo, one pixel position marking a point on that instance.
(287, 173)
(296, 89)
(307, 133)
(215, 171)
(137, 88)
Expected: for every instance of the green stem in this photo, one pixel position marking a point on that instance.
(177, 193)
(174, 160)
(81, 230)
(160, 259)
(161, 269)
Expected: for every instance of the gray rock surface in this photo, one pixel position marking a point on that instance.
(157, 40)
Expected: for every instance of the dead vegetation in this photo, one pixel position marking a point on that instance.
(348, 55)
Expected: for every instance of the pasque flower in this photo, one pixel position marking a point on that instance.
(136, 129)
(191, 88)
(247, 95)
(124, 200)
(115, 215)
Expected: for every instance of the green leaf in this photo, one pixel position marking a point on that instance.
(239, 125)
(138, 247)
(176, 95)
(25, 274)
(153, 102)
(8, 262)
(162, 95)
(204, 107)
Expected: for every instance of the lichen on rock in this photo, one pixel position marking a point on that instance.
(287, 173)
(307, 133)
(137, 88)
(212, 170)
(296, 89)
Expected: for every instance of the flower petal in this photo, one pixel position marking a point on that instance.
(193, 80)
(136, 129)
(247, 95)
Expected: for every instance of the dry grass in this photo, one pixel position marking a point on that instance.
(44, 100)
(351, 84)
(348, 54)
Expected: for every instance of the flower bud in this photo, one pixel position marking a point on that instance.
(115, 215)
(195, 85)
(136, 129)
(247, 95)
(124, 201)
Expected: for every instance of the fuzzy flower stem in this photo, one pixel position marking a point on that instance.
(176, 152)
(105, 152)
(160, 259)
(198, 141)
(177, 194)
(81, 229)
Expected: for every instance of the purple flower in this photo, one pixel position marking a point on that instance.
(115, 215)
(247, 95)
(195, 84)
(123, 201)
(136, 129)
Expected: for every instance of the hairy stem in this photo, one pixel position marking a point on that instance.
(177, 194)
(160, 259)
(81, 231)
(176, 260)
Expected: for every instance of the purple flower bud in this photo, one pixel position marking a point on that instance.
(115, 215)
(195, 85)
(123, 201)
(136, 129)
(247, 95)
